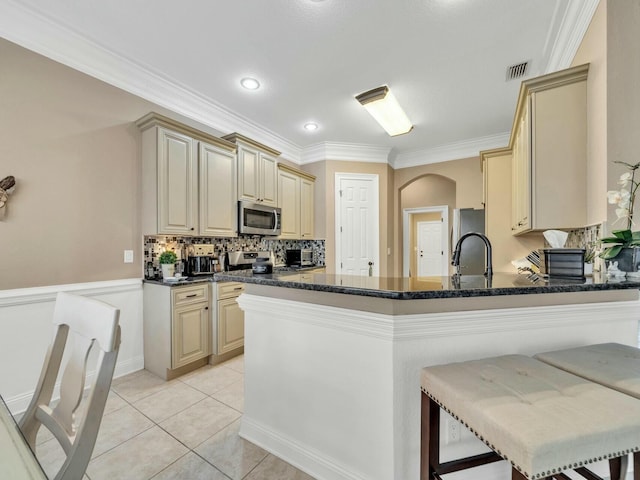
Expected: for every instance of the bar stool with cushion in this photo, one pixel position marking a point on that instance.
(610, 364)
(541, 419)
(613, 365)
(91, 324)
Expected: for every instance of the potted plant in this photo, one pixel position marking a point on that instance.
(168, 263)
(621, 247)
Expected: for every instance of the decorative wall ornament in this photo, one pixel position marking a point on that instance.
(7, 186)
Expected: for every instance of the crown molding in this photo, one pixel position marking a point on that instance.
(572, 29)
(351, 152)
(451, 151)
(31, 29)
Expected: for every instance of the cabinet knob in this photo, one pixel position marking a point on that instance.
(192, 228)
(206, 308)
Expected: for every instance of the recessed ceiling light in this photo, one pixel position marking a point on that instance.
(310, 126)
(250, 83)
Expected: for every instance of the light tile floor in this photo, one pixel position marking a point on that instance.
(186, 428)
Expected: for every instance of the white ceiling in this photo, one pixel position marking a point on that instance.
(445, 61)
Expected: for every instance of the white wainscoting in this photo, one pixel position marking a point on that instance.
(336, 392)
(26, 324)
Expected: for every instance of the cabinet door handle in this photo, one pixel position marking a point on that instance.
(238, 288)
(192, 295)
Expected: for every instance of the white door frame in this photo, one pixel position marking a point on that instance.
(406, 228)
(376, 208)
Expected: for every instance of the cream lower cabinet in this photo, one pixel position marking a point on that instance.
(176, 322)
(295, 199)
(229, 323)
(188, 180)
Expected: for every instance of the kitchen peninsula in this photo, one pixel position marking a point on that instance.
(332, 362)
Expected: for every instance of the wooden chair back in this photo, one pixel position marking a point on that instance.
(92, 324)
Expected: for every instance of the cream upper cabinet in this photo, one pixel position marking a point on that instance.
(188, 180)
(295, 199)
(257, 171)
(177, 187)
(307, 217)
(289, 196)
(521, 177)
(549, 147)
(218, 197)
(268, 181)
(248, 168)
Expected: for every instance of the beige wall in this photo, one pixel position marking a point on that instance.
(465, 173)
(614, 101)
(623, 94)
(70, 141)
(593, 50)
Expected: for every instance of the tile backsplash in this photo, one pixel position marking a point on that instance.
(584, 237)
(154, 245)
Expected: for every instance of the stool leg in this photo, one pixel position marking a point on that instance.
(516, 475)
(636, 466)
(429, 437)
(618, 467)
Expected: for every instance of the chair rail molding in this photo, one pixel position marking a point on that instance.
(26, 316)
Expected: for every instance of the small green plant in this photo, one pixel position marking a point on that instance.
(167, 257)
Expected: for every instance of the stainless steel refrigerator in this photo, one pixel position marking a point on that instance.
(472, 256)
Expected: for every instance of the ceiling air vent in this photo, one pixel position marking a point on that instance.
(517, 71)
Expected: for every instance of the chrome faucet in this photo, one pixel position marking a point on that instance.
(455, 261)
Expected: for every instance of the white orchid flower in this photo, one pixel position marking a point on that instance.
(620, 198)
(613, 196)
(625, 197)
(625, 178)
(622, 212)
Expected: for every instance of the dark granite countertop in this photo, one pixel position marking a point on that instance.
(217, 278)
(183, 281)
(428, 287)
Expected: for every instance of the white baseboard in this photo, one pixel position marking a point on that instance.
(303, 458)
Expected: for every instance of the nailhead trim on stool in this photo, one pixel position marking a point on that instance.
(520, 381)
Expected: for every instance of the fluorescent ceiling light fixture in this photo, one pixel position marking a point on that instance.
(250, 83)
(311, 126)
(386, 110)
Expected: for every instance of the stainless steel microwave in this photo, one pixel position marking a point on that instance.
(256, 219)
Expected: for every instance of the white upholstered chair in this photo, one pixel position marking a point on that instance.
(93, 324)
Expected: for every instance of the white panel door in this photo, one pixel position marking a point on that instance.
(357, 226)
(429, 243)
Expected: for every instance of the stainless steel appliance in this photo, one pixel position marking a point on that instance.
(245, 260)
(201, 260)
(299, 257)
(472, 258)
(262, 266)
(256, 219)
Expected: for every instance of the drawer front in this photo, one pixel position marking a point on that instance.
(229, 289)
(191, 294)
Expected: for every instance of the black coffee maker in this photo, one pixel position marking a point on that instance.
(201, 260)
